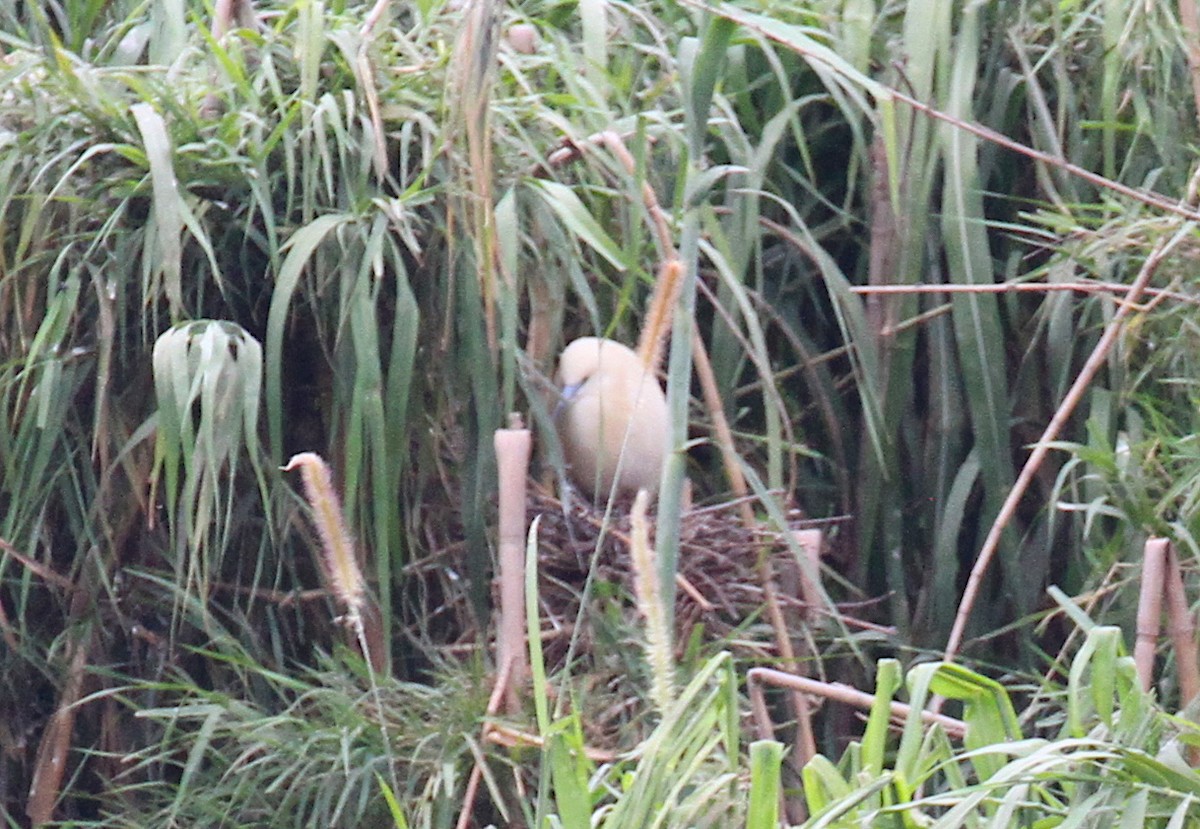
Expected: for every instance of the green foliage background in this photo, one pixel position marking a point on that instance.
(310, 236)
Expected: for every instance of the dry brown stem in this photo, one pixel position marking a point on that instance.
(36, 567)
(498, 691)
(55, 746)
(56, 740)
(722, 434)
(662, 228)
(502, 735)
(806, 746)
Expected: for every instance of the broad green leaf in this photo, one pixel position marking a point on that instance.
(572, 212)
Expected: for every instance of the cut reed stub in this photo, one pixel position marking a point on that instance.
(1149, 613)
(513, 449)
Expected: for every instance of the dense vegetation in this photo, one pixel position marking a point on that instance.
(316, 227)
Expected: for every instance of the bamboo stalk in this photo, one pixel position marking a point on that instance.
(1181, 626)
(225, 12)
(513, 446)
(763, 724)
(766, 731)
(1149, 612)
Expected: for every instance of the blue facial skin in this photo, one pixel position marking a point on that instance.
(565, 396)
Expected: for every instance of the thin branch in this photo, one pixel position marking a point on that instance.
(376, 15)
(499, 689)
(1079, 388)
(1020, 287)
(503, 735)
(680, 580)
(37, 568)
(569, 151)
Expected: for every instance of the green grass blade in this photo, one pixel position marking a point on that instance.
(300, 247)
(766, 761)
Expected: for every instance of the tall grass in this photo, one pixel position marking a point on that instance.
(207, 265)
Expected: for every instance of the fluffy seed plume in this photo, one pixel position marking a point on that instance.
(650, 603)
(341, 567)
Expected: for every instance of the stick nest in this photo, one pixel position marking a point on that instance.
(720, 592)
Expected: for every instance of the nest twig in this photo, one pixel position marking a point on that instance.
(718, 564)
